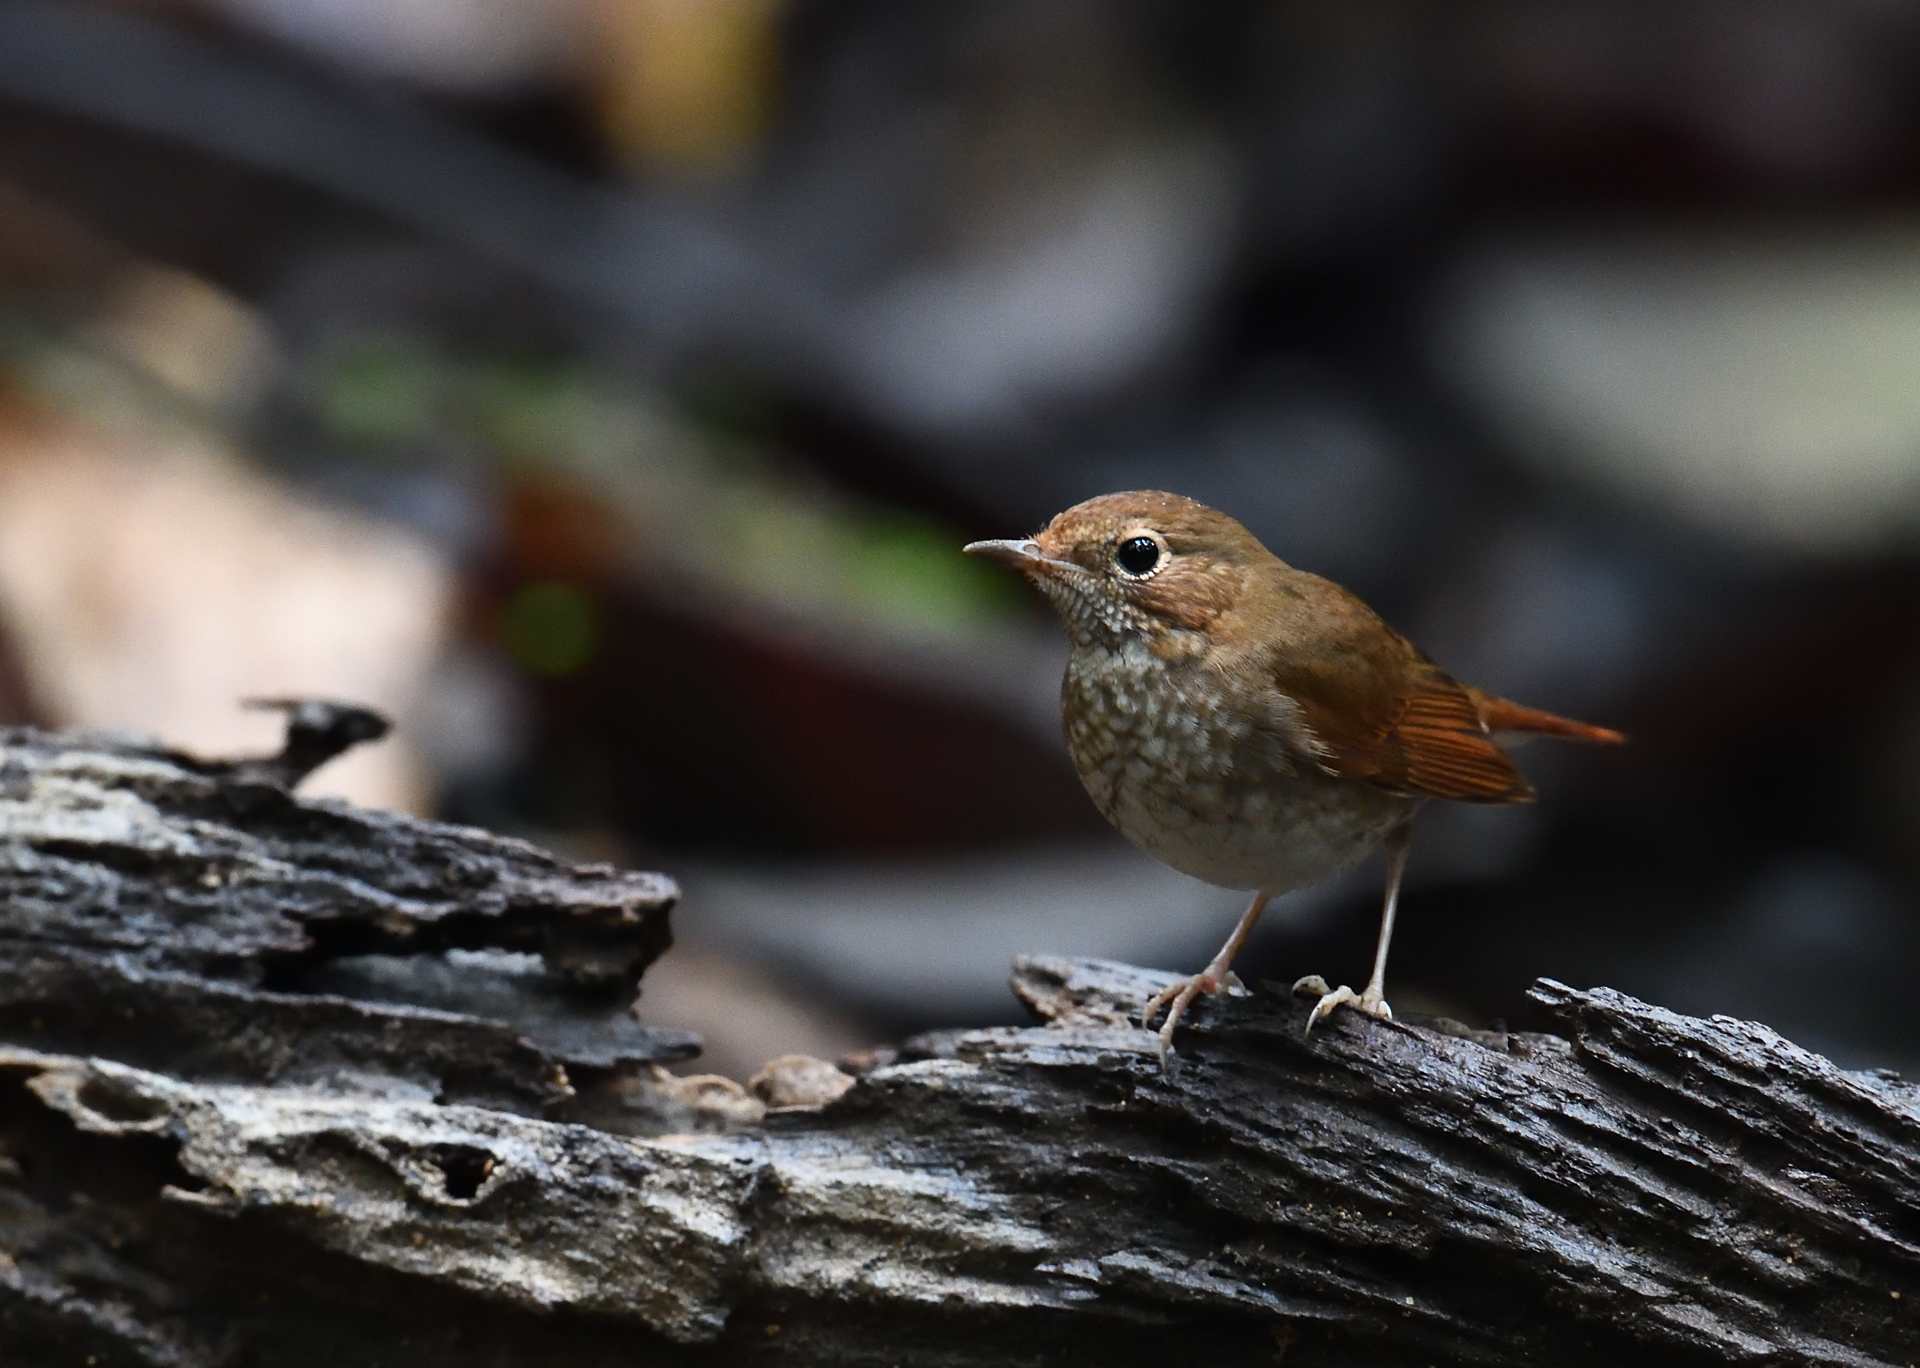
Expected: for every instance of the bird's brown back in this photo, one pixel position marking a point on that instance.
(1366, 702)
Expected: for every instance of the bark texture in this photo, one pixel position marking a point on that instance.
(287, 1083)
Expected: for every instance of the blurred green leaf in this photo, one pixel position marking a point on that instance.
(381, 390)
(551, 628)
(741, 515)
(913, 569)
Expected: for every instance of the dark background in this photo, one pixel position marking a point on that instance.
(605, 388)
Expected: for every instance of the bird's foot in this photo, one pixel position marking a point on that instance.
(1371, 1002)
(1176, 997)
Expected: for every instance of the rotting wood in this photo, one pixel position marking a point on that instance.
(286, 1082)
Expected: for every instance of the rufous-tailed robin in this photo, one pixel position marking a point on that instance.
(1250, 724)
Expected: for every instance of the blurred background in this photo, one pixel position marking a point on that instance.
(605, 388)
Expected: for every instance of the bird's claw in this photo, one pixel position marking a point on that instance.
(1177, 996)
(1369, 1002)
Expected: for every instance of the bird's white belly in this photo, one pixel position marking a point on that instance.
(1275, 839)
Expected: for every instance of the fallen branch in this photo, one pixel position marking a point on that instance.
(284, 1082)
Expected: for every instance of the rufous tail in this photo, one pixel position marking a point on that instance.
(1504, 715)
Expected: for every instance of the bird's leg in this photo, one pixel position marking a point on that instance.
(1177, 995)
(1371, 999)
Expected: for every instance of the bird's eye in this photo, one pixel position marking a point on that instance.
(1138, 555)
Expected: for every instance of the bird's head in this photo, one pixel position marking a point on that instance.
(1141, 565)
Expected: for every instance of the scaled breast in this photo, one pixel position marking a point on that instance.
(1185, 779)
(1134, 726)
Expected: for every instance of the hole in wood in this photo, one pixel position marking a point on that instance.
(463, 1168)
(106, 1099)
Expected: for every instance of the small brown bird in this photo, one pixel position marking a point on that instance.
(1250, 724)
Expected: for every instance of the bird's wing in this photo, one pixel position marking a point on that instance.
(1423, 739)
(1365, 704)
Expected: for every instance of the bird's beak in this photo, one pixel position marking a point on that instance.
(1023, 555)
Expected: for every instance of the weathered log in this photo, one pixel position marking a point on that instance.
(283, 1082)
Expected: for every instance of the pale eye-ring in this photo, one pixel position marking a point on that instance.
(1137, 556)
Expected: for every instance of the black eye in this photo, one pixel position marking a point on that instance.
(1138, 555)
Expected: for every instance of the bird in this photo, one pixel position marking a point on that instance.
(1255, 726)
